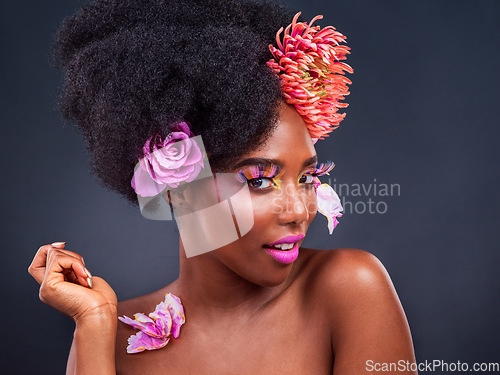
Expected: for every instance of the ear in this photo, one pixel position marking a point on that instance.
(166, 195)
(174, 196)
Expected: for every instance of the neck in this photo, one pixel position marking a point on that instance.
(213, 289)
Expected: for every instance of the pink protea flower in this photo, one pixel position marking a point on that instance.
(173, 160)
(155, 328)
(312, 75)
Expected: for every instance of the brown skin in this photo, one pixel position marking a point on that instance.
(246, 313)
(89, 301)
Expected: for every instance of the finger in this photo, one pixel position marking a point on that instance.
(60, 246)
(60, 263)
(38, 267)
(38, 264)
(53, 251)
(73, 254)
(70, 275)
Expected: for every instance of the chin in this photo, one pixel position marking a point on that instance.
(258, 269)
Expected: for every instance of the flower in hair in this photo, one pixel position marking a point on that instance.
(156, 328)
(308, 61)
(173, 160)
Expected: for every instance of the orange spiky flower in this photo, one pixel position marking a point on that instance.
(312, 75)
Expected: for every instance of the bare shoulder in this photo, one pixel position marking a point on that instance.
(340, 268)
(360, 307)
(123, 332)
(343, 280)
(145, 303)
(141, 304)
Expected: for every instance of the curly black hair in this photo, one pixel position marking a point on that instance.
(133, 68)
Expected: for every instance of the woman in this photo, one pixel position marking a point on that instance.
(144, 78)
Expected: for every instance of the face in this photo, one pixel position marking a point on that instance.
(280, 176)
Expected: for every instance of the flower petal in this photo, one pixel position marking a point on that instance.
(329, 205)
(141, 321)
(163, 320)
(176, 310)
(140, 342)
(195, 154)
(183, 127)
(167, 318)
(144, 185)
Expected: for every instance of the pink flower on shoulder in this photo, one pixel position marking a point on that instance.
(175, 159)
(156, 328)
(328, 204)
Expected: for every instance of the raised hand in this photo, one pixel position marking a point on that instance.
(66, 285)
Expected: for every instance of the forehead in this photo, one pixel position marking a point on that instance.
(289, 142)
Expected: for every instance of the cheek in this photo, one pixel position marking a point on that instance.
(311, 204)
(267, 208)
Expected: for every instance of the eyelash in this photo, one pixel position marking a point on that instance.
(270, 172)
(259, 171)
(322, 169)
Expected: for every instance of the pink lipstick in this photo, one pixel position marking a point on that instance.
(287, 239)
(285, 250)
(284, 256)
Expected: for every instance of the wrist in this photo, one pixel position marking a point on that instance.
(102, 317)
(94, 343)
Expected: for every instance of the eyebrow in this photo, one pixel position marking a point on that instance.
(279, 163)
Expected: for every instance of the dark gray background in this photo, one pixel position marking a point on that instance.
(423, 114)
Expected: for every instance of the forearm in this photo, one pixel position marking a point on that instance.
(94, 346)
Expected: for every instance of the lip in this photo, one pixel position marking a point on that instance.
(288, 239)
(285, 256)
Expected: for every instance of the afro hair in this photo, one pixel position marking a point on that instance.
(133, 68)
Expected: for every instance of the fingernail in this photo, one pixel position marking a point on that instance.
(58, 243)
(88, 273)
(89, 279)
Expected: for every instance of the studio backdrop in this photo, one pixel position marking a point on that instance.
(417, 170)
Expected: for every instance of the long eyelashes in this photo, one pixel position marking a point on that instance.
(321, 169)
(258, 171)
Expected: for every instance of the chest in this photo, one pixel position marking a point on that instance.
(281, 341)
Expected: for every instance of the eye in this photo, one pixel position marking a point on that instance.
(306, 179)
(260, 183)
(260, 177)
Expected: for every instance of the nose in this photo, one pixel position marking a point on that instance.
(293, 205)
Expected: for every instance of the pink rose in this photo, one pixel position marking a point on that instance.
(175, 159)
